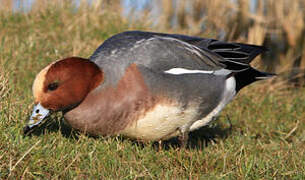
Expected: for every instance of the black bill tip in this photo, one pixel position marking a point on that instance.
(26, 130)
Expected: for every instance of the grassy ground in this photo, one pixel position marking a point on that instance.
(266, 140)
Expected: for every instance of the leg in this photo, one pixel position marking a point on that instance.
(183, 139)
(229, 120)
(160, 144)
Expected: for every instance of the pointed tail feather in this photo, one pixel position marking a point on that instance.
(249, 76)
(264, 75)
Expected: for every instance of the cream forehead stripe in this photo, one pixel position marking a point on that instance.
(39, 80)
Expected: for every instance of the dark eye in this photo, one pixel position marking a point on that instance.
(53, 86)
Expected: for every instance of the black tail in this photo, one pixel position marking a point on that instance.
(249, 76)
(236, 52)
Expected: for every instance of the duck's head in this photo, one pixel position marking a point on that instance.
(61, 86)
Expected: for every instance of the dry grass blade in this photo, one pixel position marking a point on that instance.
(292, 130)
(75, 158)
(4, 87)
(23, 156)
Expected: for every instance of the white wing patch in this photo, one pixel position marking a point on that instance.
(179, 71)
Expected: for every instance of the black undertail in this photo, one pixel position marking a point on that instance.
(246, 77)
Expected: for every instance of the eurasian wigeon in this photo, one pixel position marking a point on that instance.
(144, 85)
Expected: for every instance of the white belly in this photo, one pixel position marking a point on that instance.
(162, 122)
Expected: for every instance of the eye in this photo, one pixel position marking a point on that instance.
(53, 86)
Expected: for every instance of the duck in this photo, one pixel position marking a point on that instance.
(146, 86)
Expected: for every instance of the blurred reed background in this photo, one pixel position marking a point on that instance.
(276, 24)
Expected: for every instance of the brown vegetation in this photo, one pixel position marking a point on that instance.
(3, 85)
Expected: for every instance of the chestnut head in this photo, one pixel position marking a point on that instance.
(61, 86)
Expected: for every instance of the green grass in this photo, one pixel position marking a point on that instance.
(266, 140)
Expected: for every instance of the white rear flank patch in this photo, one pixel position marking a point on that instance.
(229, 93)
